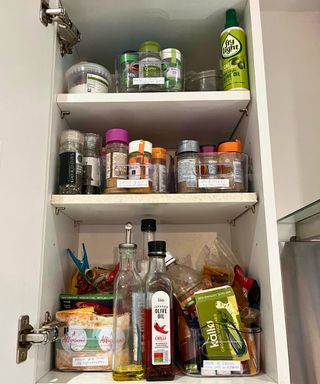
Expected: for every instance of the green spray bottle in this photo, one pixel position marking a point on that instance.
(234, 54)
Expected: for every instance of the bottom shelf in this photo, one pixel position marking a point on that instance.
(58, 377)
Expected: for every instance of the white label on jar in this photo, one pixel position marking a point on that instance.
(161, 329)
(214, 183)
(140, 171)
(91, 171)
(237, 169)
(159, 178)
(222, 365)
(187, 172)
(212, 167)
(105, 339)
(116, 165)
(75, 340)
(96, 84)
(133, 183)
(90, 361)
(148, 80)
(173, 73)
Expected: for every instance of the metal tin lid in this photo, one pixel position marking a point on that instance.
(169, 259)
(92, 141)
(188, 146)
(140, 146)
(72, 135)
(171, 53)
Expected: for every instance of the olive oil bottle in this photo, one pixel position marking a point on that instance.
(234, 54)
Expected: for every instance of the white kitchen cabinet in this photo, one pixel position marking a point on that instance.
(37, 249)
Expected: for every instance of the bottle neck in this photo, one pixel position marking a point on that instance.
(127, 259)
(157, 264)
(146, 237)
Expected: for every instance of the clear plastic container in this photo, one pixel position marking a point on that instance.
(86, 77)
(204, 81)
(215, 172)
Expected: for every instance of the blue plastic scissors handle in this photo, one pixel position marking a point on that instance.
(83, 264)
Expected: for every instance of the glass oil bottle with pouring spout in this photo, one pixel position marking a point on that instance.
(128, 310)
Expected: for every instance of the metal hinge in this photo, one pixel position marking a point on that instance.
(68, 33)
(50, 331)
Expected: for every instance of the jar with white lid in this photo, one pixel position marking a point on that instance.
(71, 156)
(85, 77)
(140, 165)
(172, 69)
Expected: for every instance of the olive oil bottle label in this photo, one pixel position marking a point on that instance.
(234, 59)
(161, 329)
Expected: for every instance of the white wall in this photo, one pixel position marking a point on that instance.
(292, 57)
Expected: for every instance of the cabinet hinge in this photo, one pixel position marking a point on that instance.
(51, 330)
(68, 33)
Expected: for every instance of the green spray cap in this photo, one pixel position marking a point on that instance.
(231, 18)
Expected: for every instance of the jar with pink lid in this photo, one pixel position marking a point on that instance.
(117, 140)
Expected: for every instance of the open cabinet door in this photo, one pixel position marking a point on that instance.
(27, 50)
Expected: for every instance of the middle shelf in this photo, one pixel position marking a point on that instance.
(198, 208)
(164, 118)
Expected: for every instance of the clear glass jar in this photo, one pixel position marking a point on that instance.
(128, 309)
(158, 330)
(70, 156)
(172, 69)
(91, 164)
(159, 172)
(140, 165)
(187, 158)
(117, 140)
(150, 65)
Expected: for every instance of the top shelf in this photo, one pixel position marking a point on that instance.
(163, 118)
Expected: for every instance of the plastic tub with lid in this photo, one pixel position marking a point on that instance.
(85, 77)
(204, 81)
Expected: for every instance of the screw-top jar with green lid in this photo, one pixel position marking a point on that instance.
(187, 157)
(172, 69)
(150, 67)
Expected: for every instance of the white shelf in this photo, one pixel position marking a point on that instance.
(106, 378)
(199, 208)
(164, 118)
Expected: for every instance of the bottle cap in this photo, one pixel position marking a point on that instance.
(171, 53)
(72, 135)
(140, 146)
(159, 153)
(230, 146)
(208, 148)
(231, 18)
(117, 134)
(169, 259)
(148, 225)
(188, 146)
(92, 141)
(150, 46)
(157, 248)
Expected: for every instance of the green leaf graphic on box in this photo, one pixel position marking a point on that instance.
(221, 325)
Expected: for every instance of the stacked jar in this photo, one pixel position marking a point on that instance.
(91, 164)
(140, 165)
(70, 156)
(230, 165)
(117, 140)
(187, 159)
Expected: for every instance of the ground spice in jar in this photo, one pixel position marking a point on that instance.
(230, 165)
(140, 167)
(159, 172)
(187, 158)
(91, 179)
(117, 140)
(70, 156)
(208, 160)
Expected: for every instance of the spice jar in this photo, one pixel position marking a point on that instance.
(128, 71)
(140, 167)
(230, 165)
(117, 140)
(172, 69)
(70, 155)
(91, 164)
(150, 67)
(208, 168)
(186, 166)
(159, 172)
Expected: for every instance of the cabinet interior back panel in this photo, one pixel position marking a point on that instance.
(111, 27)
